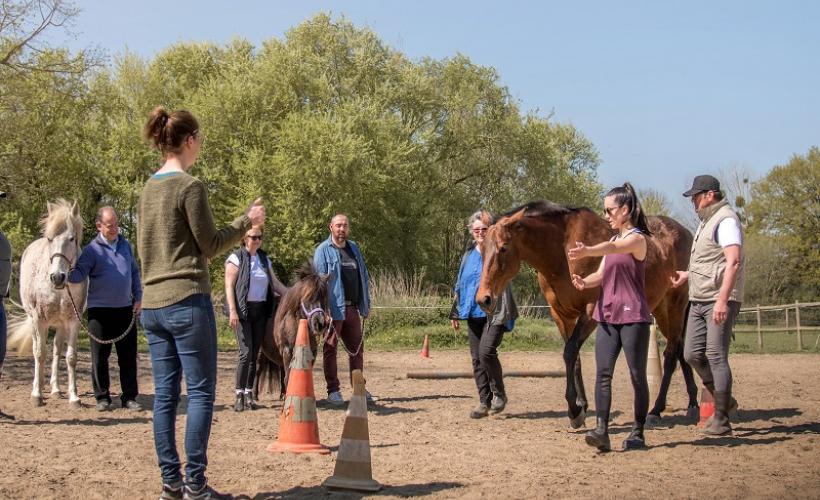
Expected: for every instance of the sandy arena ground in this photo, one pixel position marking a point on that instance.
(423, 444)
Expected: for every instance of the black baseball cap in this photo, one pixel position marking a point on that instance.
(703, 183)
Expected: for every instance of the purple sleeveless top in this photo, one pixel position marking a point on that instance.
(623, 297)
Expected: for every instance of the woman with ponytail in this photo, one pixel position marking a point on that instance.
(622, 311)
(177, 237)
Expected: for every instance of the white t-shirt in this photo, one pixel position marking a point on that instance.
(728, 233)
(258, 290)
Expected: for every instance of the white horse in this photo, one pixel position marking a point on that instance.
(44, 268)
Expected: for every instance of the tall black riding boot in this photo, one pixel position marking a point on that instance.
(719, 424)
(599, 438)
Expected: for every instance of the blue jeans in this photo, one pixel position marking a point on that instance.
(182, 340)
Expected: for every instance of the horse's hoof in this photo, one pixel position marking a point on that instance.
(579, 420)
(653, 420)
(37, 401)
(76, 404)
(693, 412)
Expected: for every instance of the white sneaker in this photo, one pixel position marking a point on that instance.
(335, 398)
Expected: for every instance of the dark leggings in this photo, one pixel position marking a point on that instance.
(634, 338)
(249, 340)
(484, 342)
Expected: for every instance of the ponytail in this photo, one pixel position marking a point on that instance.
(166, 132)
(625, 195)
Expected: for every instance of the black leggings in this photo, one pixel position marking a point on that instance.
(484, 342)
(249, 340)
(634, 338)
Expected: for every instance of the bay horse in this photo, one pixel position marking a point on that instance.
(541, 233)
(44, 293)
(306, 299)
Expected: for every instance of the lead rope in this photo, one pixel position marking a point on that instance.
(91, 335)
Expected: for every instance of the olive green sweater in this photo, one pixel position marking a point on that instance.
(176, 236)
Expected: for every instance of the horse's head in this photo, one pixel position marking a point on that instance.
(62, 228)
(502, 259)
(313, 297)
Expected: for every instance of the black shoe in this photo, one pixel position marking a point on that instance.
(103, 405)
(250, 404)
(203, 493)
(635, 440)
(5, 416)
(599, 438)
(480, 411)
(239, 405)
(171, 491)
(498, 403)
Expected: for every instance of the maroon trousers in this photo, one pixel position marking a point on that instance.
(348, 331)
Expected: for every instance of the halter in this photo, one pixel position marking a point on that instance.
(309, 316)
(58, 254)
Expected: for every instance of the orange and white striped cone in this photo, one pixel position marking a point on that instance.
(298, 424)
(707, 406)
(353, 470)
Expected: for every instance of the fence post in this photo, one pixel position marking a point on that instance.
(759, 333)
(787, 319)
(797, 324)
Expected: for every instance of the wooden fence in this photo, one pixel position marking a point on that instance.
(791, 321)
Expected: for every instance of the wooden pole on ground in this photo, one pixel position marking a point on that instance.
(514, 373)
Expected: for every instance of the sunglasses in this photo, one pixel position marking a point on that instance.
(480, 230)
(255, 238)
(608, 211)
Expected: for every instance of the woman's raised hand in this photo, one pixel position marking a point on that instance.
(578, 282)
(578, 252)
(256, 212)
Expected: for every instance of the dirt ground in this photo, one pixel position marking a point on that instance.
(423, 444)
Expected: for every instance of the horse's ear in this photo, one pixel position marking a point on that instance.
(325, 278)
(49, 207)
(75, 209)
(513, 222)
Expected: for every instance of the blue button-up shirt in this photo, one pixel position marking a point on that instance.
(114, 277)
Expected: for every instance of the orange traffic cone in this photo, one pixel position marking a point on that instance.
(425, 347)
(707, 406)
(298, 427)
(353, 470)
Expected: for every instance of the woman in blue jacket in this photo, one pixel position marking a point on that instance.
(485, 334)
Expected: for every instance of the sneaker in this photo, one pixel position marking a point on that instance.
(204, 493)
(5, 416)
(480, 411)
(239, 405)
(369, 397)
(171, 491)
(335, 398)
(498, 403)
(132, 405)
(635, 440)
(103, 405)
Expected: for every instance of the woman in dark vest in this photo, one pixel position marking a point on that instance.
(249, 287)
(622, 311)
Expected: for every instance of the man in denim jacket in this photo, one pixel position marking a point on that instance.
(349, 301)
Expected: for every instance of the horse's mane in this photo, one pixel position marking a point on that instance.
(308, 280)
(60, 218)
(540, 208)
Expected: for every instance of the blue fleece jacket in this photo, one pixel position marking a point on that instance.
(114, 277)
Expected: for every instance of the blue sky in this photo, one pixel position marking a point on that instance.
(665, 90)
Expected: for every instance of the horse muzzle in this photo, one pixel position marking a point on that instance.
(487, 304)
(58, 280)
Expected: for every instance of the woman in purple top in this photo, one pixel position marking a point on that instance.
(622, 311)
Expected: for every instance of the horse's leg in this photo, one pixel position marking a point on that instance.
(579, 385)
(670, 360)
(693, 408)
(71, 364)
(39, 348)
(572, 347)
(57, 350)
(282, 383)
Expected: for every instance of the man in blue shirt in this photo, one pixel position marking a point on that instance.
(349, 301)
(114, 300)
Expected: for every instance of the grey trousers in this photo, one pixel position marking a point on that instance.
(707, 344)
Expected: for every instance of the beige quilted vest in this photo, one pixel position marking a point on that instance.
(707, 263)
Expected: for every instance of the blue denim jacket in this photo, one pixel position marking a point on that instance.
(465, 306)
(326, 259)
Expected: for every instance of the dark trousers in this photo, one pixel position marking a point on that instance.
(634, 338)
(249, 340)
(706, 347)
(3, 326)
(348, 331)
(484, 342)
(109, 323)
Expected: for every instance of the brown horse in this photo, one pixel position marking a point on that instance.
(540, 233)
(306, 299)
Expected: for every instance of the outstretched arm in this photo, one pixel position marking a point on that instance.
(591, 281)
(634, 243)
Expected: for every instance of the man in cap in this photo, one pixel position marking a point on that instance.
(5, 281)
(716, 278)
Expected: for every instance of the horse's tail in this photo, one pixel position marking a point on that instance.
(20, 337)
